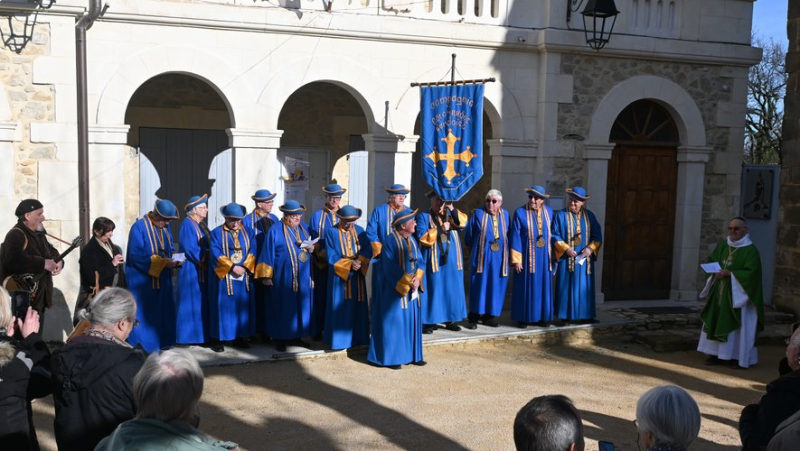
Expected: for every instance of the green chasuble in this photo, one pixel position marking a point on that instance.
(720, 317)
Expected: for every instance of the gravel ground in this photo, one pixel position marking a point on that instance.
(465, 398)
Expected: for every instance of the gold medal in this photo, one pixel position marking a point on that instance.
(303, 257)
(236, 257)
(495, 246)
(540, 242)
(576, 241)
(443, 237)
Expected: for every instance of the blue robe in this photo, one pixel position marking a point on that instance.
(575, 283)
(396, 318)
(529, 236)
(232, 312)
(347, 315)
(289, 299)
(322, 220)
(258, 227)
(444, 299)
(192, 295)
(489, 270)
(150, 281)
(379, 227)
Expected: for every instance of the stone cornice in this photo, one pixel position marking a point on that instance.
(255, 139)
(108, 134)
(511, 148)
(690, 154)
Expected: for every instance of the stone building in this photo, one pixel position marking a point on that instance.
(228, 96)
(787, 273)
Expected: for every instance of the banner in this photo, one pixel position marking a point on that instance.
(452, 138)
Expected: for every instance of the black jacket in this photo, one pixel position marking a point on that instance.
(23, 377)
(95, 259)
(92, 390)
(24, 252)
(758, 421)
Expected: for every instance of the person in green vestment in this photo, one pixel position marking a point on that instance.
(734, 311)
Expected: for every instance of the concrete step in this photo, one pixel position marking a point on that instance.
(669, 340)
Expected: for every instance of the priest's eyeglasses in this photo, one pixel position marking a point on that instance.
(735, 229)
(492, 201)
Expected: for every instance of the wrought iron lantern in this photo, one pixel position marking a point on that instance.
(599, 17)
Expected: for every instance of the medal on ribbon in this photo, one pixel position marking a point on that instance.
(443, 237)
(303, 257)
(495, 246)
(236, 257)
(540, 242)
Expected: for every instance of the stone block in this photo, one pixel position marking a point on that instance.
(58, 190)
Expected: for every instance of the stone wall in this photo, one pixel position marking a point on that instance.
(786, 294)
(716, 91)
(29, 103)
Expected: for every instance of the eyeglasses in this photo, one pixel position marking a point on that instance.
(735, 229)
(492, 201)
(135, 323)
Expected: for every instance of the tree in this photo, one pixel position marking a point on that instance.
(766, 87)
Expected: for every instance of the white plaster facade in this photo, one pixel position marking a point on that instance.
(256, 54)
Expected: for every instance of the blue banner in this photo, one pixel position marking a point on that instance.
(452, 138)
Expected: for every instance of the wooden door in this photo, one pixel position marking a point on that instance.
(640, 218)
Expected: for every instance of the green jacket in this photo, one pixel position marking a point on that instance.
(150, 434)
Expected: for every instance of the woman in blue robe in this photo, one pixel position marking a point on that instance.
(437, 232)
(285, 269)
(323, 219)
(192, 295)
(232, 312)
(396, 310)
(487, 235)
(149, 267)
(348, 254)
(529, 236)
(577, 238)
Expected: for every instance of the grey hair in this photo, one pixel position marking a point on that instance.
(5, 310)
(670, 415)
(168, 386)
(109, 307)
(494, 192)
(193, 211)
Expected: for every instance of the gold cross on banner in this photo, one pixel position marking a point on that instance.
(451, 156)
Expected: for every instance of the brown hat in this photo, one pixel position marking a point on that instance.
(27, 206)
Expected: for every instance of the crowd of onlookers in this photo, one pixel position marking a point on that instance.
(111, 396)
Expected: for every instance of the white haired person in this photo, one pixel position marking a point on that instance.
(667, 419)
(167, 391)
(24, 361)
(93, 373)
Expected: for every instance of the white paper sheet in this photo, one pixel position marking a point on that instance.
(711, 268)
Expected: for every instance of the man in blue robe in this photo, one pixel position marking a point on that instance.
(577, 239)
(284, 267)
(257, 223)
(396, 310)
(487, 235)
(322, 220)
(348, 254)
(437, 232)
(231, 267)
(379, 226)
(191, 301)
(149, 266)
(531, 228)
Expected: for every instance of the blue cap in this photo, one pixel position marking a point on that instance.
(263, 195)
(292, 207)
(578, 193)
(166, 209)
(348, 213)
(537, 191)
(195, 201)
(233, 210)
(397, 189)
(404, 216)
(333, 190)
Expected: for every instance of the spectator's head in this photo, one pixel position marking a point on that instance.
(169, 386)
(667, 416)
(114, 310)
(5, 312)
(548, 423)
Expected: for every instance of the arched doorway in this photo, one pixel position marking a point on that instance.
(178, 123)
(640, 209)
(322, 127)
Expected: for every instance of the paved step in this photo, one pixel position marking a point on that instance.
(671, 340)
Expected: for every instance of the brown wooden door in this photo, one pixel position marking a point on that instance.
(640, 218)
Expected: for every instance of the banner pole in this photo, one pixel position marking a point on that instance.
(453, 71)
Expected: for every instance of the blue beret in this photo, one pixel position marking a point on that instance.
(578, 193)
(233, 210)
(263, 195)
(537, 191)
(333, 190)
(292, 207)
(195, 201)
(404, 216)
(397, 189)
(348, 213)
(166, 209)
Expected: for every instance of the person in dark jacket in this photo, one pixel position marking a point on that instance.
(93, 373)
(101, 264)
(759, 421)
(23, 375)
